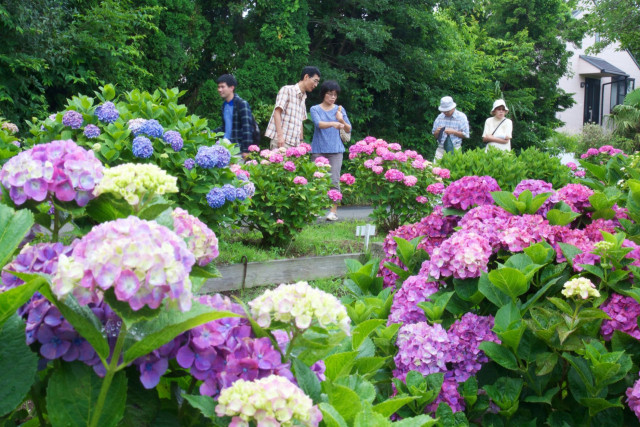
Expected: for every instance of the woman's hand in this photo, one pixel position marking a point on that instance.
(338, 125)
(339, 114)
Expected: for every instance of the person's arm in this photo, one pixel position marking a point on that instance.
(315, 117)
(281, 103)
(462, 133)
(341, 116)
(491, 138)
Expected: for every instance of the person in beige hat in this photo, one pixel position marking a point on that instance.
(449, 122)
(498, 129)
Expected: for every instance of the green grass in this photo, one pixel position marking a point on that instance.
(327, 238)
(333, 286)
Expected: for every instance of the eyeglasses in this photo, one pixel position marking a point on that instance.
(316, 81)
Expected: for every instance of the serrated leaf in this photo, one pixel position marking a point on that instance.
(307, 380)
(14, 298)
(499, 354)
(204, 404)
(391, 406)
(14, 225)
(363, 330)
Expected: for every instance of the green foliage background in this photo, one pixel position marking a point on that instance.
(393, 59)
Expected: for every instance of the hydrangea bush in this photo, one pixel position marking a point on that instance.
(290, 192)
(401, 184)
(9, 142)
(153, 128)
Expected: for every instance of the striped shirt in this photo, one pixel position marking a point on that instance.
(291, 99)
(458, 121)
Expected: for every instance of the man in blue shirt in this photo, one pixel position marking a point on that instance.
(237, 120)
(454, 123)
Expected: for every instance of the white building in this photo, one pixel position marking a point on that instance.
(599, 82)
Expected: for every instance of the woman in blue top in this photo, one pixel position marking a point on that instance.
(328, 119)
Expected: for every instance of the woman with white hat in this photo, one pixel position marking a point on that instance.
(497, 129)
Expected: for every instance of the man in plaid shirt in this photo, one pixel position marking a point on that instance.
(452, 122)
(237, 120)
(285, 126)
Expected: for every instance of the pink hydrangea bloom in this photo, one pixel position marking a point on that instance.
(394, 146)
(334, 195)
(401, 157)
(377, 169)
(201, 241)
(322, 161)
(519, 232)
(486, 220)
(572, 166)
(469, 191)
(465, 336)
(580, 174)
(348, 179)
(290, 166)
(442, 173)
(450, 395)
(60, 168)
(436, 188)
(393, 175)
(265, 153)
(410, 180)
(254, 148)
(421, 199)
(279, 221)
(143, 261)
(369, 163)
(633, 398)
(463, 255)
(576, 195)
(318, 175)
(300, 180)
(422, 348)
(276, 158)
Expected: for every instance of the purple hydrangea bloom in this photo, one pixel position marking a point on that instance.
(73, 119)
(222, 155)
(107, 112)
(450, 395)
(201, 241)
(486, 220)
(537, 186)
(61, 168)
(463, 255)
(174, 139)
(135, 125)
(142, 147)
(465, 336)
(624, 312)
(152, 128)
(241, 194)
(633, 398)
(519, 232)
(404, 308)
(250, 188)
(206, 157)
(229, 192)
(319, 368)
(469, 191)
(189, 163)
(91, 131)
(422, 348)
(216, 197)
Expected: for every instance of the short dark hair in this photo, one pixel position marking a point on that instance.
(228, 79)
(328, 86)
(310, 71)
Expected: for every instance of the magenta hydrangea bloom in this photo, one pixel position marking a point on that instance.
(633, 398)
(469, 191)
(348, 179)
(334, 195)
(537, 186)
(300, 180)
(624, 312)
(466, 335)
(422, 348)
(144, 262)
(201, 241)
(410, 180)
(486, 220)
(404, 308)
(576, 196)
(463, 255)
(59, 168)
(519, 232)
(289, 166)
(393, 175)
(436, 188)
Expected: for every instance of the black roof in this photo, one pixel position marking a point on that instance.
(604, 66)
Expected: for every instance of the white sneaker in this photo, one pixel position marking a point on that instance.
(332, 217)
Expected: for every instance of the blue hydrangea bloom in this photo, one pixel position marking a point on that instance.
(250, 188)
(107, 112)
(142, 147)
(216, 198)
(241, 194)
(91, 131)
(189, 163)
(242, 177)
(152, 128)
(223, 155)
(174, 139)
(73, 119)
(206, 158)
(229, 192)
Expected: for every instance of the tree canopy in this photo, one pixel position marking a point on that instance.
(394, 60)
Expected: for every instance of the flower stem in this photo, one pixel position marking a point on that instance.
(106, 382)
(56, 225)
